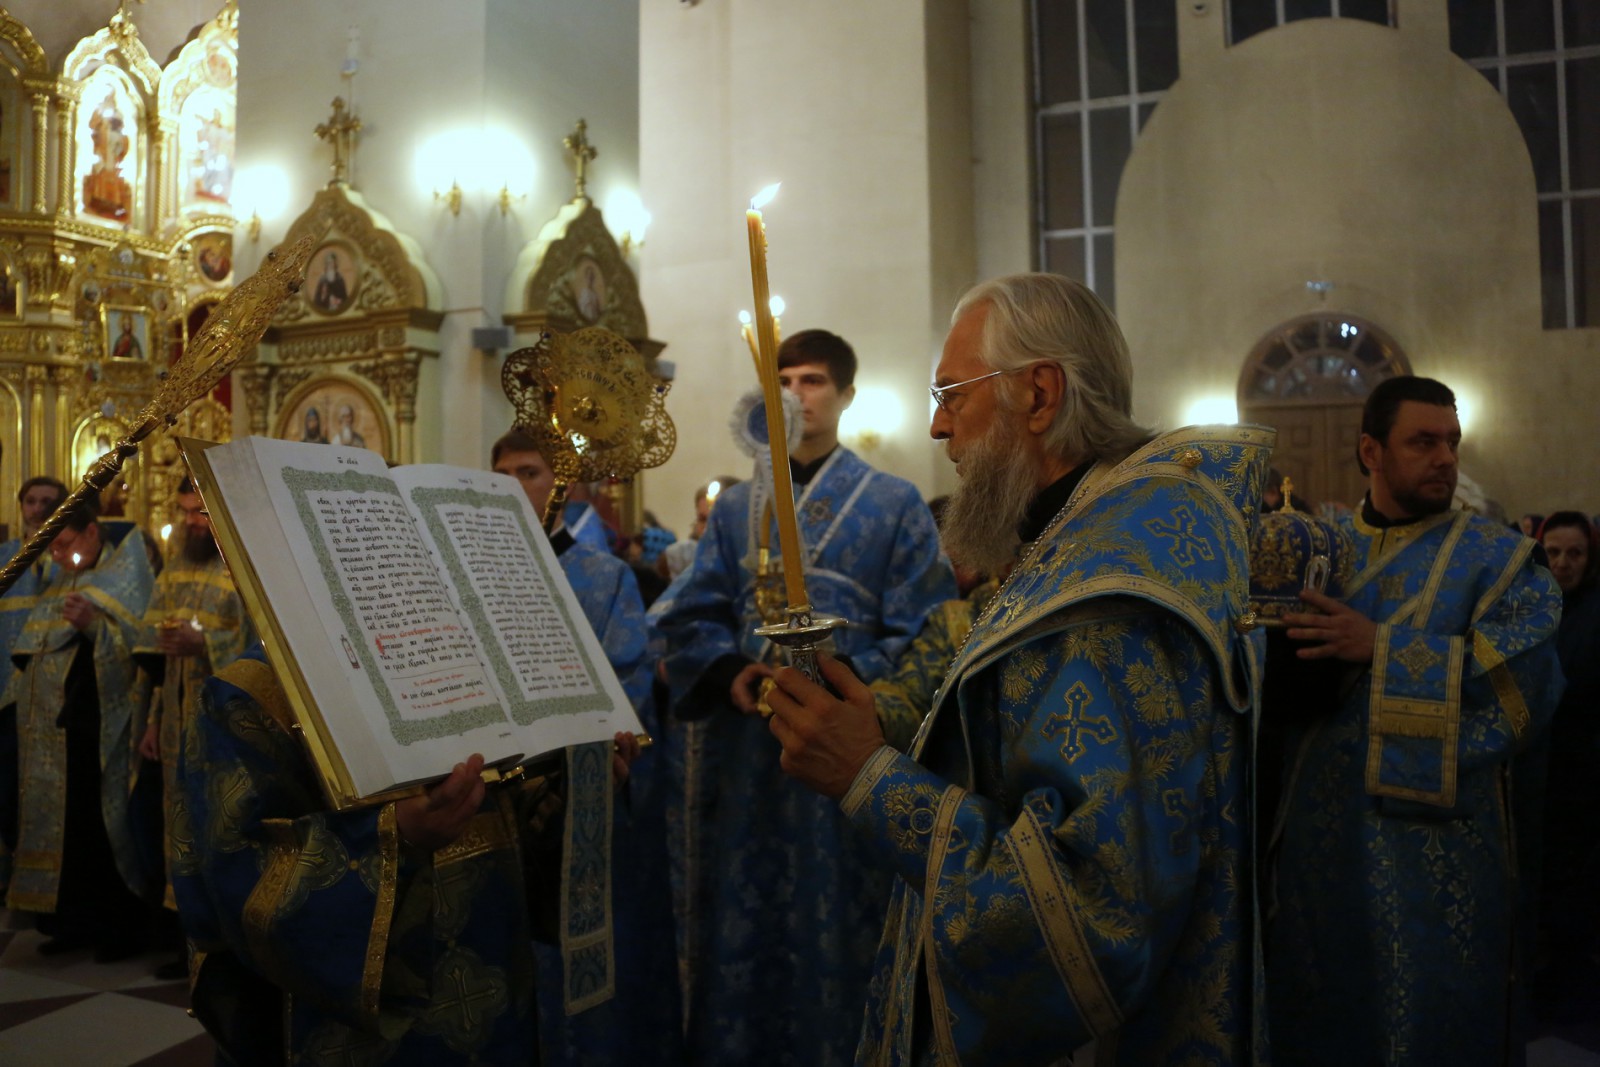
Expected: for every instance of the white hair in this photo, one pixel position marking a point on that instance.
(1034, 317)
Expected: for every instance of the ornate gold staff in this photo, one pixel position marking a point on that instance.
(234, 328)
(594, 407)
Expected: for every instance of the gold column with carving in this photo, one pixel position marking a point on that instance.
(255, 381)
(36, 376)
(41, 143)
(66, 156)
(158, 153)
(64, 379)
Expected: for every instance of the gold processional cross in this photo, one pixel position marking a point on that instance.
(582, 153)
(340, 131)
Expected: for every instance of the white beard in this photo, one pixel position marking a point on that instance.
(998, 482)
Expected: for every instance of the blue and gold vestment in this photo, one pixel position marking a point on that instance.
(119, 586)
(903, 696)
(641, 1023)
(185, 593)
(1071, 827)
(778, 913)
(15, 607)
(387, 954)
(1393, 939)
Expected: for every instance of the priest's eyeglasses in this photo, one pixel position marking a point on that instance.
(941, 393)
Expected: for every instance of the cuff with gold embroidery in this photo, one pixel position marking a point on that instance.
(901, 807)
(1414, 718)
(865, 779)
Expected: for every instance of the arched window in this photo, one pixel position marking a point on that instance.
(1308, 379)
(1319, 359)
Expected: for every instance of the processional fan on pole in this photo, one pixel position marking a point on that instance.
(594, 407)
(233, 329)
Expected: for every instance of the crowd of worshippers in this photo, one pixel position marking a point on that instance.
(1048, 807)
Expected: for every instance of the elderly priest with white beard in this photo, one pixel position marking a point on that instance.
(1071, 825)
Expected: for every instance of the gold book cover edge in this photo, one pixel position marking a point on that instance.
(330, 766)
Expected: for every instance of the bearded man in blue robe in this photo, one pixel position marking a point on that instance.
(1399, 929)
(779, 913)
(1070, 829)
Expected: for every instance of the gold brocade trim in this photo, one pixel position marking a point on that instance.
(866, 780)
(1505, 685)
(939, 1005)
(486, 832)
(1411, 718)
(1519, 556)
(1441, 563)
(1064, 936)
(1384, 547)
(257, 679)
(261, 907)
(382, 912)
(1147, 590)
(1423, 719)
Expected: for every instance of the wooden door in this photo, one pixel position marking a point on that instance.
(1316, 448)
(1309, 380)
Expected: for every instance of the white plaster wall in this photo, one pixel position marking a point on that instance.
(863, 112)
(528, 70)
(1002, 121)
(1372, 158)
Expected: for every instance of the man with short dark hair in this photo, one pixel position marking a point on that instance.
(779, 916)
(1069, 827)
(1395, 938)
(78, 699)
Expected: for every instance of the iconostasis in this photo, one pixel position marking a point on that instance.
(116, 240)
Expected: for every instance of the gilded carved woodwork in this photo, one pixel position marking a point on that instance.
(69, 276)
(343, 361)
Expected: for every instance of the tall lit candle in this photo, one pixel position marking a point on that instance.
(749, 336)
(777, 305)
(794, 582)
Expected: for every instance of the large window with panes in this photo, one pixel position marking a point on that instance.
(1102, 66)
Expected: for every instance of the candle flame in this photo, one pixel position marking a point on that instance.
(166, 531)
(76, 559)
(712, 490)
(744, 318)
(764, 197)
(777, 305)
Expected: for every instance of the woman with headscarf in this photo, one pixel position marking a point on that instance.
(1568, 983)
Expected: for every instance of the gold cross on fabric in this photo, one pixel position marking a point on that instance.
(1074, 725)
(1187, 544)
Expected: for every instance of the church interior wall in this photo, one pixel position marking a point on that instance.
(840, 106)
(1002, 177)
(1373, 159)
(481, 98)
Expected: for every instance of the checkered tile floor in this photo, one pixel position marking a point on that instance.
(65, 1010)
(68, 1011)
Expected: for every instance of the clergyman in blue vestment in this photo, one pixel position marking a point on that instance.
(779, 914)
(640, 1024)
(1070, 827)
(1398, 931)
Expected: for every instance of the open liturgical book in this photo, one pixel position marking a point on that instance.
(414, 615)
